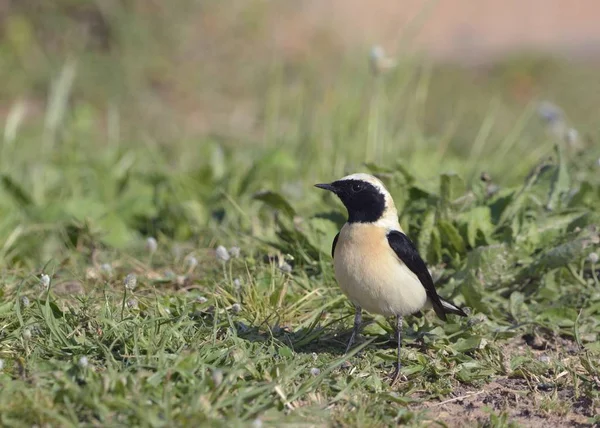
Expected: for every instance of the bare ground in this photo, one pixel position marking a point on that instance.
(525, 402)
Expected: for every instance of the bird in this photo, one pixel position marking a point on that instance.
(376, 265)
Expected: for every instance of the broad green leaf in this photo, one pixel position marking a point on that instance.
(501, 202)
(248, 178)
(435, 249)
(539, 191)
(425, 232)
(217, 161)
(451, 188)
(285, 352)
(516, 304)
(251, 176)
(541, 232)
(418, 193)
(401, 399)
(561, 255)
(276, 201)
(323, 232)
(294, 241)
(84, 208)
(560, 316)
(586, 195)
(451, 236)
(477, 220)
(472, 290)
(335, 217)
(6, 308)
(518, 361)
(540, 177)
(468, 344)
(584, 220)
(16, 191)
(401, 168)
(195, 212)
(560, 181)
(374, 329)
(593, 346)
(115, 231)
(487, 268)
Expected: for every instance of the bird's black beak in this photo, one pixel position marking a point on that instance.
(326, 187)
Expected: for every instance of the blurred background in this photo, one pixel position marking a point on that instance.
(99, 98)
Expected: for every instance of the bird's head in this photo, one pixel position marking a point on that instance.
(366, 199)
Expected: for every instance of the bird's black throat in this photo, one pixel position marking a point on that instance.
(364, 202)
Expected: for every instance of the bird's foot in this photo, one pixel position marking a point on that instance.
(397, 376)
(357, 340)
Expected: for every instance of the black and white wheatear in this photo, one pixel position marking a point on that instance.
(376, 265)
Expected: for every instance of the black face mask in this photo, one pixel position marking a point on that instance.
(364, 202)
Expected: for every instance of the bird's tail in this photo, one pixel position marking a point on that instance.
(450, 308)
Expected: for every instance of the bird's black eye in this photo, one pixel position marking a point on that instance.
(357, 187)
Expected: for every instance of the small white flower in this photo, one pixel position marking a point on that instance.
(379, 61)
(132, 304)
(315, 371)
(192, 262)
(27, 334)
(201, 299)
(314, 356)
(83, 362)
(180, 280)
(572, 136)
(237, 283)
(45, 281)
(257, 423)
(236, 308)
(376, 52)
(544, 359)
(1, 364)
(550, 113)
(106, 268)
(593, 258)
(217, 377)
(151, 244)
(25, 301)
(285, 267)
(222, 253)
(130, 281)
(234, 252)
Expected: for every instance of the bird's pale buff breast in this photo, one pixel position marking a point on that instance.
(372, 276)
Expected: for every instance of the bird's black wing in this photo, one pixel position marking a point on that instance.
(406, 251)
(334, 242)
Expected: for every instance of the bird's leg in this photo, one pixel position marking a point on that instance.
(396, 373)
(356, 329)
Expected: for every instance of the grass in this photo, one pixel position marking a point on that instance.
(258, 339)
